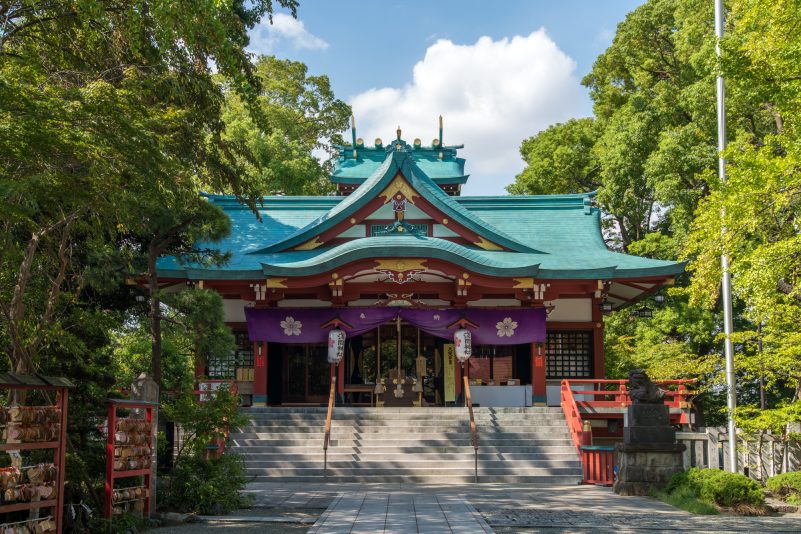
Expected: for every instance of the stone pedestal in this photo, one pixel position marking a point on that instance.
(649, 455)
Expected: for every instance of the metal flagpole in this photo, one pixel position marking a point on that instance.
(728, 326)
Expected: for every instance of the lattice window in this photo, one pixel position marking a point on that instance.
(241, 356)
(569, 354)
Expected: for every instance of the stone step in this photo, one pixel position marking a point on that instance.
(398, 410)
(402, 435)
(257, 426)
(423, 472)
(378, 413)
(461, 414)
(428, 445)
(389, 450)
(414, 464)
(567, 455)
(460, 441)
(547, 480)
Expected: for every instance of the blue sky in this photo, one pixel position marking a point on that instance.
(497, 71)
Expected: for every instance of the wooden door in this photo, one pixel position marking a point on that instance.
(306, 374)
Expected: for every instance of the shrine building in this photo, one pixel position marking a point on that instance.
(399, 260)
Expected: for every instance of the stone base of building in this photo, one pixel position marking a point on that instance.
(644, 467)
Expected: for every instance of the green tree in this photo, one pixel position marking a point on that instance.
(754, 217)
(304, 116)
(654, 132)
(560, 159)
(104, 103)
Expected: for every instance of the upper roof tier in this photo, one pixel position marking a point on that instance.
(358, 162)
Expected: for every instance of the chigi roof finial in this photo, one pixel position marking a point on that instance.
(440, 137)
(353, 133)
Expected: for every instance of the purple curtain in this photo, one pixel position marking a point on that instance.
(489, 326)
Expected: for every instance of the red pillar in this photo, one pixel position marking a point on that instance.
(598, 339)
(260, 373)
(538, 390)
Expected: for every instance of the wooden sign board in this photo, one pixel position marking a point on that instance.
(450, 372)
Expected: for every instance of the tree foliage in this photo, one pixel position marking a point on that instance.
(114, 117)
(653, 155)
(305, 117)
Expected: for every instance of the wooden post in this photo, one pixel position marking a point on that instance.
(598, 339)
(539, 391)
(260, 373)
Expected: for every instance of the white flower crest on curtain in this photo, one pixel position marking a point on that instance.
(291, 326)
(506, 327)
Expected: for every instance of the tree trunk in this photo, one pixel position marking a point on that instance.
(155, 314)
(624, 234)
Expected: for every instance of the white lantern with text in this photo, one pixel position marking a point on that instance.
(463, 344)
(336, 346)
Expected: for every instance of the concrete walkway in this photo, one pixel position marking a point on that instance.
(404, 511)
(502, 508)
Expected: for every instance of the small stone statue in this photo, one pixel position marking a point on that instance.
(642, 390)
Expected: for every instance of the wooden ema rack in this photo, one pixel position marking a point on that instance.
(111, 443)
(58, 387)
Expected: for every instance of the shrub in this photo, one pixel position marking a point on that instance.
(724, 488)
(206, 486)
(197, 483)
(787, 486)
(692, 489)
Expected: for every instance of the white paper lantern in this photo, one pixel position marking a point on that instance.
(463, 343)
(336, 345)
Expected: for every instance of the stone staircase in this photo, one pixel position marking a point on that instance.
(425, 445)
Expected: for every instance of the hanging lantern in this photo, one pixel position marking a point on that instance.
(463, 344)
(336, 346)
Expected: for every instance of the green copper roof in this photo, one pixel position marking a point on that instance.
(351, 170)
(397, 161)
(548, 236)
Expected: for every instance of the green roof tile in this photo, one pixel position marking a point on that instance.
(552, 236)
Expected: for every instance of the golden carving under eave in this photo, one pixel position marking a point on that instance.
(399, 185)
(276, 283)
(486, 245)
(523, 283)
(400, 265)
(311, 244)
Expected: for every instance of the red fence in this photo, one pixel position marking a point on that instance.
(598, 464)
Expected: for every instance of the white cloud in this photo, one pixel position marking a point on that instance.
(265, 36)
(492, 95)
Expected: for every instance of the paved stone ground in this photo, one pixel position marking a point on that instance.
(399, 511)
(505, 508)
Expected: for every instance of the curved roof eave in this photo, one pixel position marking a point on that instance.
(396, 247)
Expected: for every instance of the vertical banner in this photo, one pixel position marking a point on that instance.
(449, 373)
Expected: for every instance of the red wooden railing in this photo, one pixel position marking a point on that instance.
(598, 464)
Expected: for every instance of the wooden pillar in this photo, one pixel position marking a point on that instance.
(598, 339)
(457, 373)
(260, 373)
(539, 394)
(341, 378)
(200, 367)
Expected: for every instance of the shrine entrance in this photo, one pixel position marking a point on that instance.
(375, 358)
